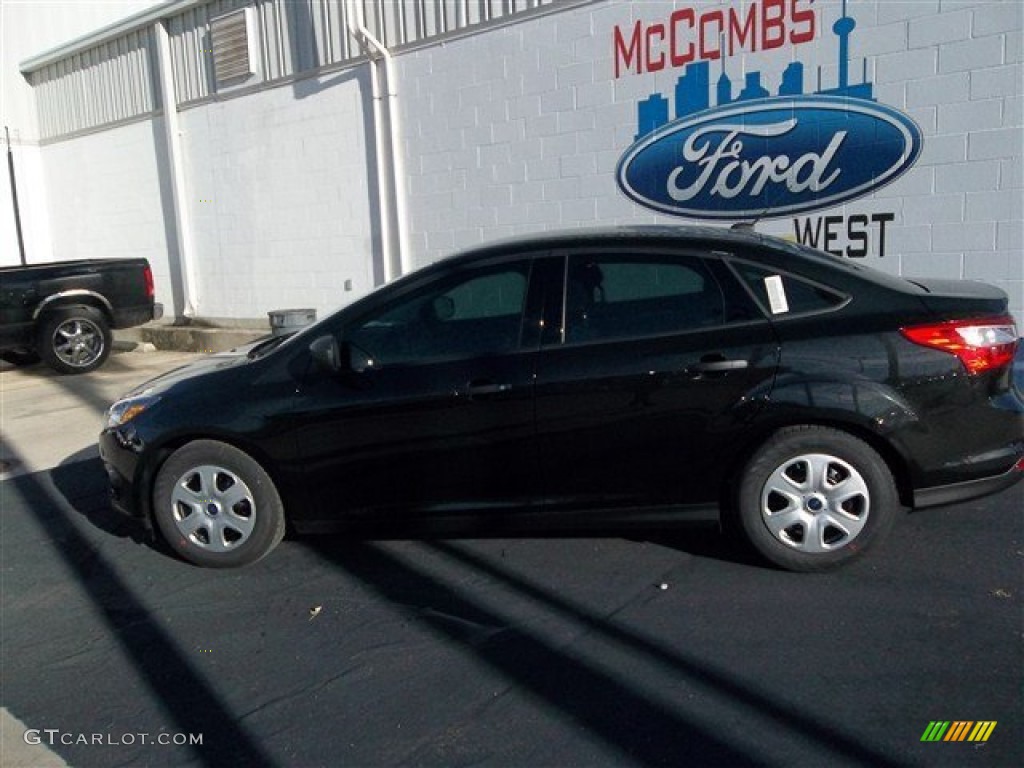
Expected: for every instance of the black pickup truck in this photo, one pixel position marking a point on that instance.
(63, 312)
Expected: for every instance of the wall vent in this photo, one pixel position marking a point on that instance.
(233, 50)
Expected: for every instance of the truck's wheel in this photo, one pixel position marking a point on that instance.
(74, 339)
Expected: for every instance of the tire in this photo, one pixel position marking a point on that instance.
(216, 506)
(814, 498)
(74, 339)
(20, 357)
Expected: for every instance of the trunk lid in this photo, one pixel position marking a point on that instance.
(961, 298)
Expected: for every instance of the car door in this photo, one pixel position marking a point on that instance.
(434, 414)
(659, 362)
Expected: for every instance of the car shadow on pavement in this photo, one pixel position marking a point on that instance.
(601, 703)
(708, 542)
(613, 709)
(51, 500)
(82, 482)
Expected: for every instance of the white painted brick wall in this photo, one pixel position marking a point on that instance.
(953, 66)
(519, 129)
(279, 198)
(105, 201)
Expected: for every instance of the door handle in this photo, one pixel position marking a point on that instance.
(483, 387)
(718, 366)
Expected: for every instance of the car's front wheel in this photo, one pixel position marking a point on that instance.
(216, 506)
(813, 498)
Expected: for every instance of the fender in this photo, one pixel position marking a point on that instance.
(867, 404)
(74, 293)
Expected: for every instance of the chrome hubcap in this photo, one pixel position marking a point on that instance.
(815, 503)
(213, 508)
(77, 342)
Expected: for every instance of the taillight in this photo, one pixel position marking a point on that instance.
(981, 344)
(147, 275)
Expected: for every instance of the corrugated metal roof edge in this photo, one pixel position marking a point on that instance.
(118, 28)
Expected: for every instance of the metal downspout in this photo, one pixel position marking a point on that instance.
(389, 156)
(176, 169)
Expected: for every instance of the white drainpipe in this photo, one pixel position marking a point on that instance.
(179, 190)
(390, 165)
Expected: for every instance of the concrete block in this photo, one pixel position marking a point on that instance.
(547, 125)
(945, 264)
(934, 209)
(916, 181)
(1010, 234)
(886, 38)
(1011, 174)
(562, 189)
(576, 121)
(941, 89)
(942, 150)
(597, 94)
(970, 115)
(965, 236)
(967, 177)
(578, 212)
(996, 81)
(559, 146)
(573, 166)
(571, 26)
(898, 10)
(926, 31)
(1004, 142)
(969, 55)
(986, 266)
(1013, 111)
(557, 101)
(993, 206)
(575, 75)
(908, 239)
(1014, 44)
(997, 17)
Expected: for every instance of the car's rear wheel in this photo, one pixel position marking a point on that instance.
(216, 506)
(74, 339)
(813, 498)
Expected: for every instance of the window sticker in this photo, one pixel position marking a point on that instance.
(776, 295)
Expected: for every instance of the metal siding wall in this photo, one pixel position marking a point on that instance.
(114, 80)
(105, 84)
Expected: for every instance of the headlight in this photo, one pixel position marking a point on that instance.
(127, 409)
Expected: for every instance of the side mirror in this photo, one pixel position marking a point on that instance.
(337, 358)
(326, 353)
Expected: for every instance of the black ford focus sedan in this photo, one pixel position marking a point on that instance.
(596, 378)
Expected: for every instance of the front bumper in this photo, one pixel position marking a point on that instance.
(120, 462)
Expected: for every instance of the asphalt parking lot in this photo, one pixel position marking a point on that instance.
(659, 649)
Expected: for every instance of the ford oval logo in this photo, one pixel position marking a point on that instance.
(770, 157)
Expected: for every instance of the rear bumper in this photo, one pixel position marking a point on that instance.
(133, 316)
(971, 489)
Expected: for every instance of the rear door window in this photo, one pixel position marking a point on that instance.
(614, 296)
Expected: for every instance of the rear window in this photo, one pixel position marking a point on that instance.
(784, 294)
